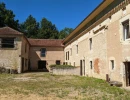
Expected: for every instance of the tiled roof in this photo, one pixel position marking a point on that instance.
(8, 31)
(46, 42)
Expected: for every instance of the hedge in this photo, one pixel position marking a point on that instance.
(61, 66)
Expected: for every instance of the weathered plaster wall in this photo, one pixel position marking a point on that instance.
(52, 54)
(10, 57)
(107, 45)
(25, 53)
(69, 71)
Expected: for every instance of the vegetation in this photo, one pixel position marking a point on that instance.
(43, 86)
(61, 66)
(44, 29)
(7, 17)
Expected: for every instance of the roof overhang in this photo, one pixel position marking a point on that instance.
(94, 13)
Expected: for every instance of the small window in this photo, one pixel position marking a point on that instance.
(43, 52)
(57, 62)
(90, 43)
(112, 64)
(68, 55)
(91, 65)
(126, 33)
(77, 49)
(7, 43)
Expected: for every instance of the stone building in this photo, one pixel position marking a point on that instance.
(100, 44)
(22, 54)
(14, 50)
(45, 52)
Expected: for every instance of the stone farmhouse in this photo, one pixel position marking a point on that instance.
(18, 52)
(99, 45)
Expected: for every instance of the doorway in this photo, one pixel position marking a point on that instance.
(41, 64)
(127, 71)
(22, 70)
(81, 67)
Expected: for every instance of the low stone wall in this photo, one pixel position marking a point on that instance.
(66, 71)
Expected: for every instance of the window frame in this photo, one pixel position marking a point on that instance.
(112, 64)
(5, 42)
(77, 49)
(43, 54)
(90, 43)
(91, 65)
(58, 61)
(126, 32)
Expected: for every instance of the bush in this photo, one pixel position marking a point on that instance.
(61, 66)
(2, 70)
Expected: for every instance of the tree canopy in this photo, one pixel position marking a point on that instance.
(7, 17)
(48, 30)
(44, 29)
(30, 27)
(65, 32)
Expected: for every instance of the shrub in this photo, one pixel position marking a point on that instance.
(2, 70)
(61, 66)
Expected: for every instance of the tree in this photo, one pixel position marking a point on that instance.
(64, 32)
(7, 17)
(47, 30)
(30, 27)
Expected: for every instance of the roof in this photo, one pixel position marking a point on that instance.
(46, 42)
(95, 12)
(9, 31)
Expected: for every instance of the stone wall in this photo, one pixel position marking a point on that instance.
(107, 45)
(52, 54)
(10, 57)
(66, 71)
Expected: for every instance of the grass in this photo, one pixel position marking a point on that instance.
(45, 86)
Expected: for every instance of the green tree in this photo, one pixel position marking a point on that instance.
(64, 32)
(30, 27)
(47, 30)
(7, 17)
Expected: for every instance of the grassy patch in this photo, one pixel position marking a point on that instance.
(60, 87)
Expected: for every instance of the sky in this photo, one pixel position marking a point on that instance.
(62, 13)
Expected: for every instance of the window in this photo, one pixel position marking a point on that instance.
(43, 52)
(90, 43)
(77, 49)
(91, 65)
(7, 43)
(68, 55)
(112, 64)
(126, 33)
(57, 62)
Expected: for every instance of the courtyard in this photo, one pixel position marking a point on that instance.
(45, 86)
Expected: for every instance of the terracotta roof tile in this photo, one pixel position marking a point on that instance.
(46, 42)
(8, 31)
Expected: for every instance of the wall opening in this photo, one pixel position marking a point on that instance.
(127, 71)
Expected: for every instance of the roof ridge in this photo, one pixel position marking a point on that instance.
(44, 39)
